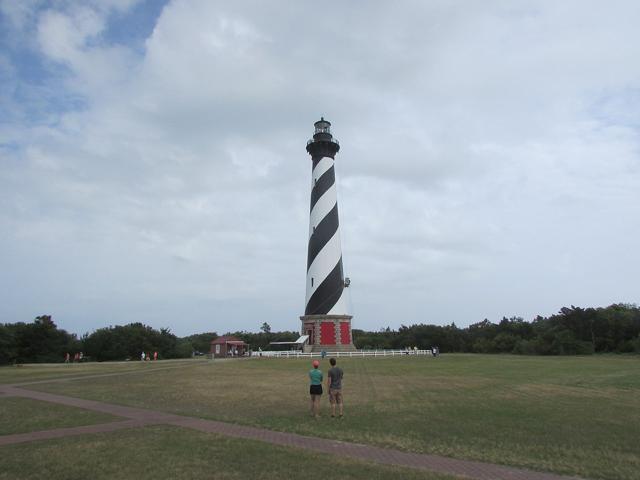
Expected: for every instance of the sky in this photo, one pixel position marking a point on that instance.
(153, 165)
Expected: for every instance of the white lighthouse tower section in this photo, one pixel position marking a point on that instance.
(323, 264)
(342, 305)
(327, 201)
(331, 252)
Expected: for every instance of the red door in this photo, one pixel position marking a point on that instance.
(327, 333)
(345, 333)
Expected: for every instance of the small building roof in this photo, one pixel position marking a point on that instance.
(300, 341)
(228, 339)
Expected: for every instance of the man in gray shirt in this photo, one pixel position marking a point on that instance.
(334, 385)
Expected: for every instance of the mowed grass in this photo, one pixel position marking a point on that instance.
(26, 373)
(22, 415)
(570, 415)
(163, 452)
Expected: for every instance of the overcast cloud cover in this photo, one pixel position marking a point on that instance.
(153, 163)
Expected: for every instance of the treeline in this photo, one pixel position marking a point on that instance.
(38, 342)
(572, 331)
(201, 342)
(262, 339)
(128, 341)
(43, 342)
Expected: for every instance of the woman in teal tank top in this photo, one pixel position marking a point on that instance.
(315, 389)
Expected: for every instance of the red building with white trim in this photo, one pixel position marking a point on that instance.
(228, 346)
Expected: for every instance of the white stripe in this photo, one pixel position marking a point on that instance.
(323, 206)
(341, 307)
(322, 166)
(325, 261)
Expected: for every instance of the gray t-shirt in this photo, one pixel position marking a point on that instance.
(335, 374)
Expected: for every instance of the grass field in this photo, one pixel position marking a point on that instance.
(22, 415)
(163, 452)
(39, 372)
(570, 415)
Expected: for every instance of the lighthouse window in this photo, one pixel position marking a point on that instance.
(312, 281)
(314, 229)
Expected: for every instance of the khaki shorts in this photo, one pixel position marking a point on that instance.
(335, 396)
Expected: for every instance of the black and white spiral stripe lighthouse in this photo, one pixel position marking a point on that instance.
(326, 317)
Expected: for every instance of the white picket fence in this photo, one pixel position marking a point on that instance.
(357, 353)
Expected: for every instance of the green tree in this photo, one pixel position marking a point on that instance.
(201, 342)
(8, 351)
(128, 341)
(39, 341)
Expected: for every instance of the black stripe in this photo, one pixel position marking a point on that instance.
(321, 234)
(324, 183)
(316, 159)
(328, 292)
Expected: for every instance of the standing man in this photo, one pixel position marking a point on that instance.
(315, 389)
(334, 385)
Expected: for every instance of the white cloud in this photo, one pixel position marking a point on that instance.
(489, 162)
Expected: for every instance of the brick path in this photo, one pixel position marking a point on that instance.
(138, 417)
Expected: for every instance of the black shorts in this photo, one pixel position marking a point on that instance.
(315, 389)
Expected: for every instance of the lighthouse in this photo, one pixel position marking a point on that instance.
(326, 318)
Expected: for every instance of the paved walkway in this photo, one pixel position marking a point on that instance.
(138, 417)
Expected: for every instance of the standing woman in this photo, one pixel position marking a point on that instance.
(315, 376)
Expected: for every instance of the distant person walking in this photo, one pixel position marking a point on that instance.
(315, 389)
(66, 358)
(142, 356)
(155, 356)
(334, 385)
